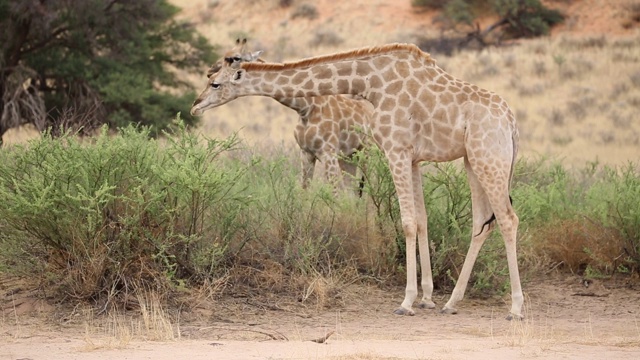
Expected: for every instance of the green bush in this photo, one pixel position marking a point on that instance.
(96, 220)
(586, 221)
(99, 218)
(613, 201)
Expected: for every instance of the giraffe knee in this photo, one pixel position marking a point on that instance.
(410, 229)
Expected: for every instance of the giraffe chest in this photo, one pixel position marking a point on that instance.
(316, 135)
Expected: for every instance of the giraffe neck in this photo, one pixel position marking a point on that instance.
(317, 80)
(382, 75)
(371, 73)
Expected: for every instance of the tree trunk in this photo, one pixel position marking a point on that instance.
(3, 128)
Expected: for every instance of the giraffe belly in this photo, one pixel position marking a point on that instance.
(440, 147)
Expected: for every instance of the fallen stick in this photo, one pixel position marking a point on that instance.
(321, 340)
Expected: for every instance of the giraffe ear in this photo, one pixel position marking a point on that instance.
(252, 56)
(237, 76)
(214, 68)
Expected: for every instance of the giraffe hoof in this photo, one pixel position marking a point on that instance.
(515, 317)
(448, 311)
(427, 304)
(404, 312)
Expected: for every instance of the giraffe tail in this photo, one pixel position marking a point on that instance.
(361, 186)
(514, 141)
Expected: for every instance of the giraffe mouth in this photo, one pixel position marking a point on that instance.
(197, 110)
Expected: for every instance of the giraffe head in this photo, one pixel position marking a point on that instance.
(236, 55)
(227, 70)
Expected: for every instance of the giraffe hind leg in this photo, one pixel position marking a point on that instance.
(481, 210)
(491, 219)
(494, 188)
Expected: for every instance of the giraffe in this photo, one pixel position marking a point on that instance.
(330, 129)
(421, 114)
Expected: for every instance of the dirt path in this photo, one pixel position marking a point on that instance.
(565, 320)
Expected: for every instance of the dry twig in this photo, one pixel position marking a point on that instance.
(321, 340)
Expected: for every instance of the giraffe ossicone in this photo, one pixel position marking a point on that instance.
(421, 113)
(330, 129)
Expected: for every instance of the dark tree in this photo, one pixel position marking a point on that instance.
(83, 63)
(516, 18)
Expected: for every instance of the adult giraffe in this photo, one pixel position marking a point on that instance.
(421, 114)
(330, 129)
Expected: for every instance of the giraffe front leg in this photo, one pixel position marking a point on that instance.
(332, 171)
(423, 240)
(400, 166)
(349, 171)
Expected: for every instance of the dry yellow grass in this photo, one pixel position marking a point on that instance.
(115, 331)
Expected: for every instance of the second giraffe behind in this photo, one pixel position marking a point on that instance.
(421, 114)
(330, 129)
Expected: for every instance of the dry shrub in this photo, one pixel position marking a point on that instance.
(442, 45)
(308, 11)
(556, 117)
(81, 280)
(368, 242)
(584, 43)
(621, 120)
(148, 319)
(155, 322)
(581, 244)
(325, 37)
(268, 278)
(320, 291)
(539, 68)
(634, 101)
(606, 137)
(532, 90)
(259, 275)
(577, 109)
(632, 11)
(635, 79)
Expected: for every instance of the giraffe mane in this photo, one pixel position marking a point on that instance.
(348, 55)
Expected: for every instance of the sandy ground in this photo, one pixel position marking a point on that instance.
(565, 320)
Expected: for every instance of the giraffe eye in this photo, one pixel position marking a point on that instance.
(215, 85)
(237, 58)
